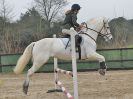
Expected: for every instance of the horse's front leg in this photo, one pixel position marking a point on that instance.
(101, 59)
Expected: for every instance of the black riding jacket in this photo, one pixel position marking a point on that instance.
(70, 20)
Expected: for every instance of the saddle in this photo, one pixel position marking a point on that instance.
(78, 40)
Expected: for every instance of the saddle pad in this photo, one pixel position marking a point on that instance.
(65, 41)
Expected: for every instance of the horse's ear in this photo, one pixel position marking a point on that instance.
(108, 19)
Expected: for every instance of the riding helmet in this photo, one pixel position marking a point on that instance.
(75, 7)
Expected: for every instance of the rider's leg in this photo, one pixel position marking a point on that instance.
(67, 31)
(77, 37)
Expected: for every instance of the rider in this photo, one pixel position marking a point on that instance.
(71, 20)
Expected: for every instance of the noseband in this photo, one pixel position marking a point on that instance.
(99, 33)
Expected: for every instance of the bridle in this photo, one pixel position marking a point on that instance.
(99, 32)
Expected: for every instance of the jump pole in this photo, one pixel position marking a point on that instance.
(55, 73)
(55, 66)
(56, 89)
(58, 70)
(74, 66)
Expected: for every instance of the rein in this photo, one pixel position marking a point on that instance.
(87, 35)
(99, 33)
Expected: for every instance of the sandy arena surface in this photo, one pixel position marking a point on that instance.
(115, 85)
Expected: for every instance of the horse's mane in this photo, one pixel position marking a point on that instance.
(95, 20)
(92, 23)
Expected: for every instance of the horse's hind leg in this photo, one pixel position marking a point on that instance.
(36, 65)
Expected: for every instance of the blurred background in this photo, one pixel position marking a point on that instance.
(25, 21)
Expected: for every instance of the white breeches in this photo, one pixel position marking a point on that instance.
(67, 31)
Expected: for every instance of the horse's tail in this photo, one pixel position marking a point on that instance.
(24, 59)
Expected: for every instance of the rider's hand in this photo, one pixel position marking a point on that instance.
(78, 29)
(82, 26)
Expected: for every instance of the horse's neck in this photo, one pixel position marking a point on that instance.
(92, 34)
(96, 26)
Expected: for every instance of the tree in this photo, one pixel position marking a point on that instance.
(6, 13)
(32, 27)
(49, 9)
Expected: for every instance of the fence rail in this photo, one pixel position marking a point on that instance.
(121, 58)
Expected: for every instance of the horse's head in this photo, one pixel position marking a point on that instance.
(99, 26)
(105, 30)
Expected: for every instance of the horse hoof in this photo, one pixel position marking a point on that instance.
(102, 72)
(25, 88)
